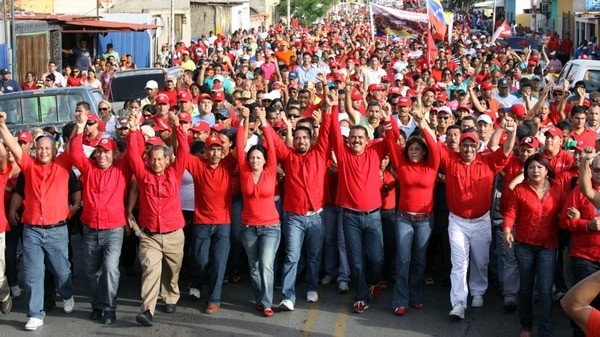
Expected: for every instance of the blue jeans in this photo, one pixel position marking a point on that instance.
(101, 254)
(535, 261)
(330, 244)
(508, 271)
(412, 239)
(210, 244)
(299, 231)
(261, 243)
(582, 268)
(364, 239)
(39, 243)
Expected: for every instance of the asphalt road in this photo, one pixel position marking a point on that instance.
(330, 316)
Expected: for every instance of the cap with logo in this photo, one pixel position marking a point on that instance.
(107, 144)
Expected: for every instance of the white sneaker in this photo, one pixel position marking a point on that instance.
(286, 305)
(477, 301)
(312, 297)
(69, 305)
(33, 323)
(457, 312)
(15, 291)
(326, 279)
(195, 293)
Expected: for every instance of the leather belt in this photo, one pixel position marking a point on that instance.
(311, 213)
(149, 233)
(355, 212)
(414, 216)
(56, 225)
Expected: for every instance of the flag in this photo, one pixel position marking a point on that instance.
(503, 31)
(437, 18)
(431, 50)
(397, 23)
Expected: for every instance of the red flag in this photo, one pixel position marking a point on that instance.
(431, 50)
(503, 31)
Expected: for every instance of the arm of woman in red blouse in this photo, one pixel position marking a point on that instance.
(434, 152)
(509, 218)
(241, 136)
(271, 163)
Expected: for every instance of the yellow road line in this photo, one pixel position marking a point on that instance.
(311, 319)
(340, 321)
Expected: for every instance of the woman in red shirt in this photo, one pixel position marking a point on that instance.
(30, 82)
(74, 79)
(260, 231)
(534, 207)
(389, 183)
(417, 165)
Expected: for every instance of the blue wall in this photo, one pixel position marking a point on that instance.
(135, 43)
(4, 56)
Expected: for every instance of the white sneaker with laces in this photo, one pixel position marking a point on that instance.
(286, 305)
(33, 323)
(477, 301)
(312, 297)
(69, 305)
(457, 312)
(15, 291)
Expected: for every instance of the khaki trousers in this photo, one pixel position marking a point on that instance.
(161, 256)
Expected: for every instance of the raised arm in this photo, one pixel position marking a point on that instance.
(577, 301)
(271, 163)
(183, 147)
(76, 143)
(241, 136)
(135, 157)
(10, 141)
(511, 128)
(585, 179)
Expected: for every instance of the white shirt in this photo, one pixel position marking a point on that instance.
(186, 192)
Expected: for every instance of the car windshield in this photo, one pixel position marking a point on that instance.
(132, 86)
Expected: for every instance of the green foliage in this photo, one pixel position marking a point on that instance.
(306, 11)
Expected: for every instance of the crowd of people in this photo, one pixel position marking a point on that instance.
(319, 152)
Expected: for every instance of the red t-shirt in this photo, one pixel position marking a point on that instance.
(584, 244)
(562, 161)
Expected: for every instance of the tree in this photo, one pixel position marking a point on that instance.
(306, 11)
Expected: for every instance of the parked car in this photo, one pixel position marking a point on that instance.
(518, 43)
(46, 107)
(587, 71)
(130, 84)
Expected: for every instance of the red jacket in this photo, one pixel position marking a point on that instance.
(536, 220)
(160, 206)
(103, 191)
(584, 244)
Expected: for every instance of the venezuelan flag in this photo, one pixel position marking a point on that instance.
(436, 17)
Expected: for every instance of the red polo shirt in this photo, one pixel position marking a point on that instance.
(47, 190)
(212, 190)
(259, 205)
(562, 161)
(160, 206)
(104, 191)
(586, 135)
(469, 186)
(417, 180)
(584, 244)
(358, 175)
(536, 220)
(305, 178)
(513, 168)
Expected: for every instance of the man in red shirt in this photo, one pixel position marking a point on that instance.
(104, 180)
(303, 203)
(560, 159)
(45, 232)
(359, 196)
(161, 240)
(469, 182)
(212, 216)
(94, 127)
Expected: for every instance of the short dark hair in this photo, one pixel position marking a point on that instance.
(84, 104)
(578, 109)
(416, 140)
(257, 147)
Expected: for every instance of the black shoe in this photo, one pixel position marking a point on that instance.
(170, 308)
(96, 314)
(6, 306)
(109, 317)
(145, 318)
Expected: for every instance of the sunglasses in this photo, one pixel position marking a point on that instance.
(443, 117)
(293, 116)
(90, 123)
(103, 109)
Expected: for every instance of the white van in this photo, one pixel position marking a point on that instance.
(587, 71)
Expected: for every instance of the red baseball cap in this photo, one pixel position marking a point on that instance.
(213, 140)
(185, 117)
(441, 96)
(356, 95)
(553, 131)
(217, 127)
(154, 141)
(337, 77)
(469, 135)
(375, 87)
(519, 110)
(530, 141)
(487, 85)
(107, 144)
(404, 101)
(218, 96)
(204, 96)
(185, 96)
(162, 99)
(25, 136)
(200, 127)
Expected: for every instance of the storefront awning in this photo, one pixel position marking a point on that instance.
(86, 24)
